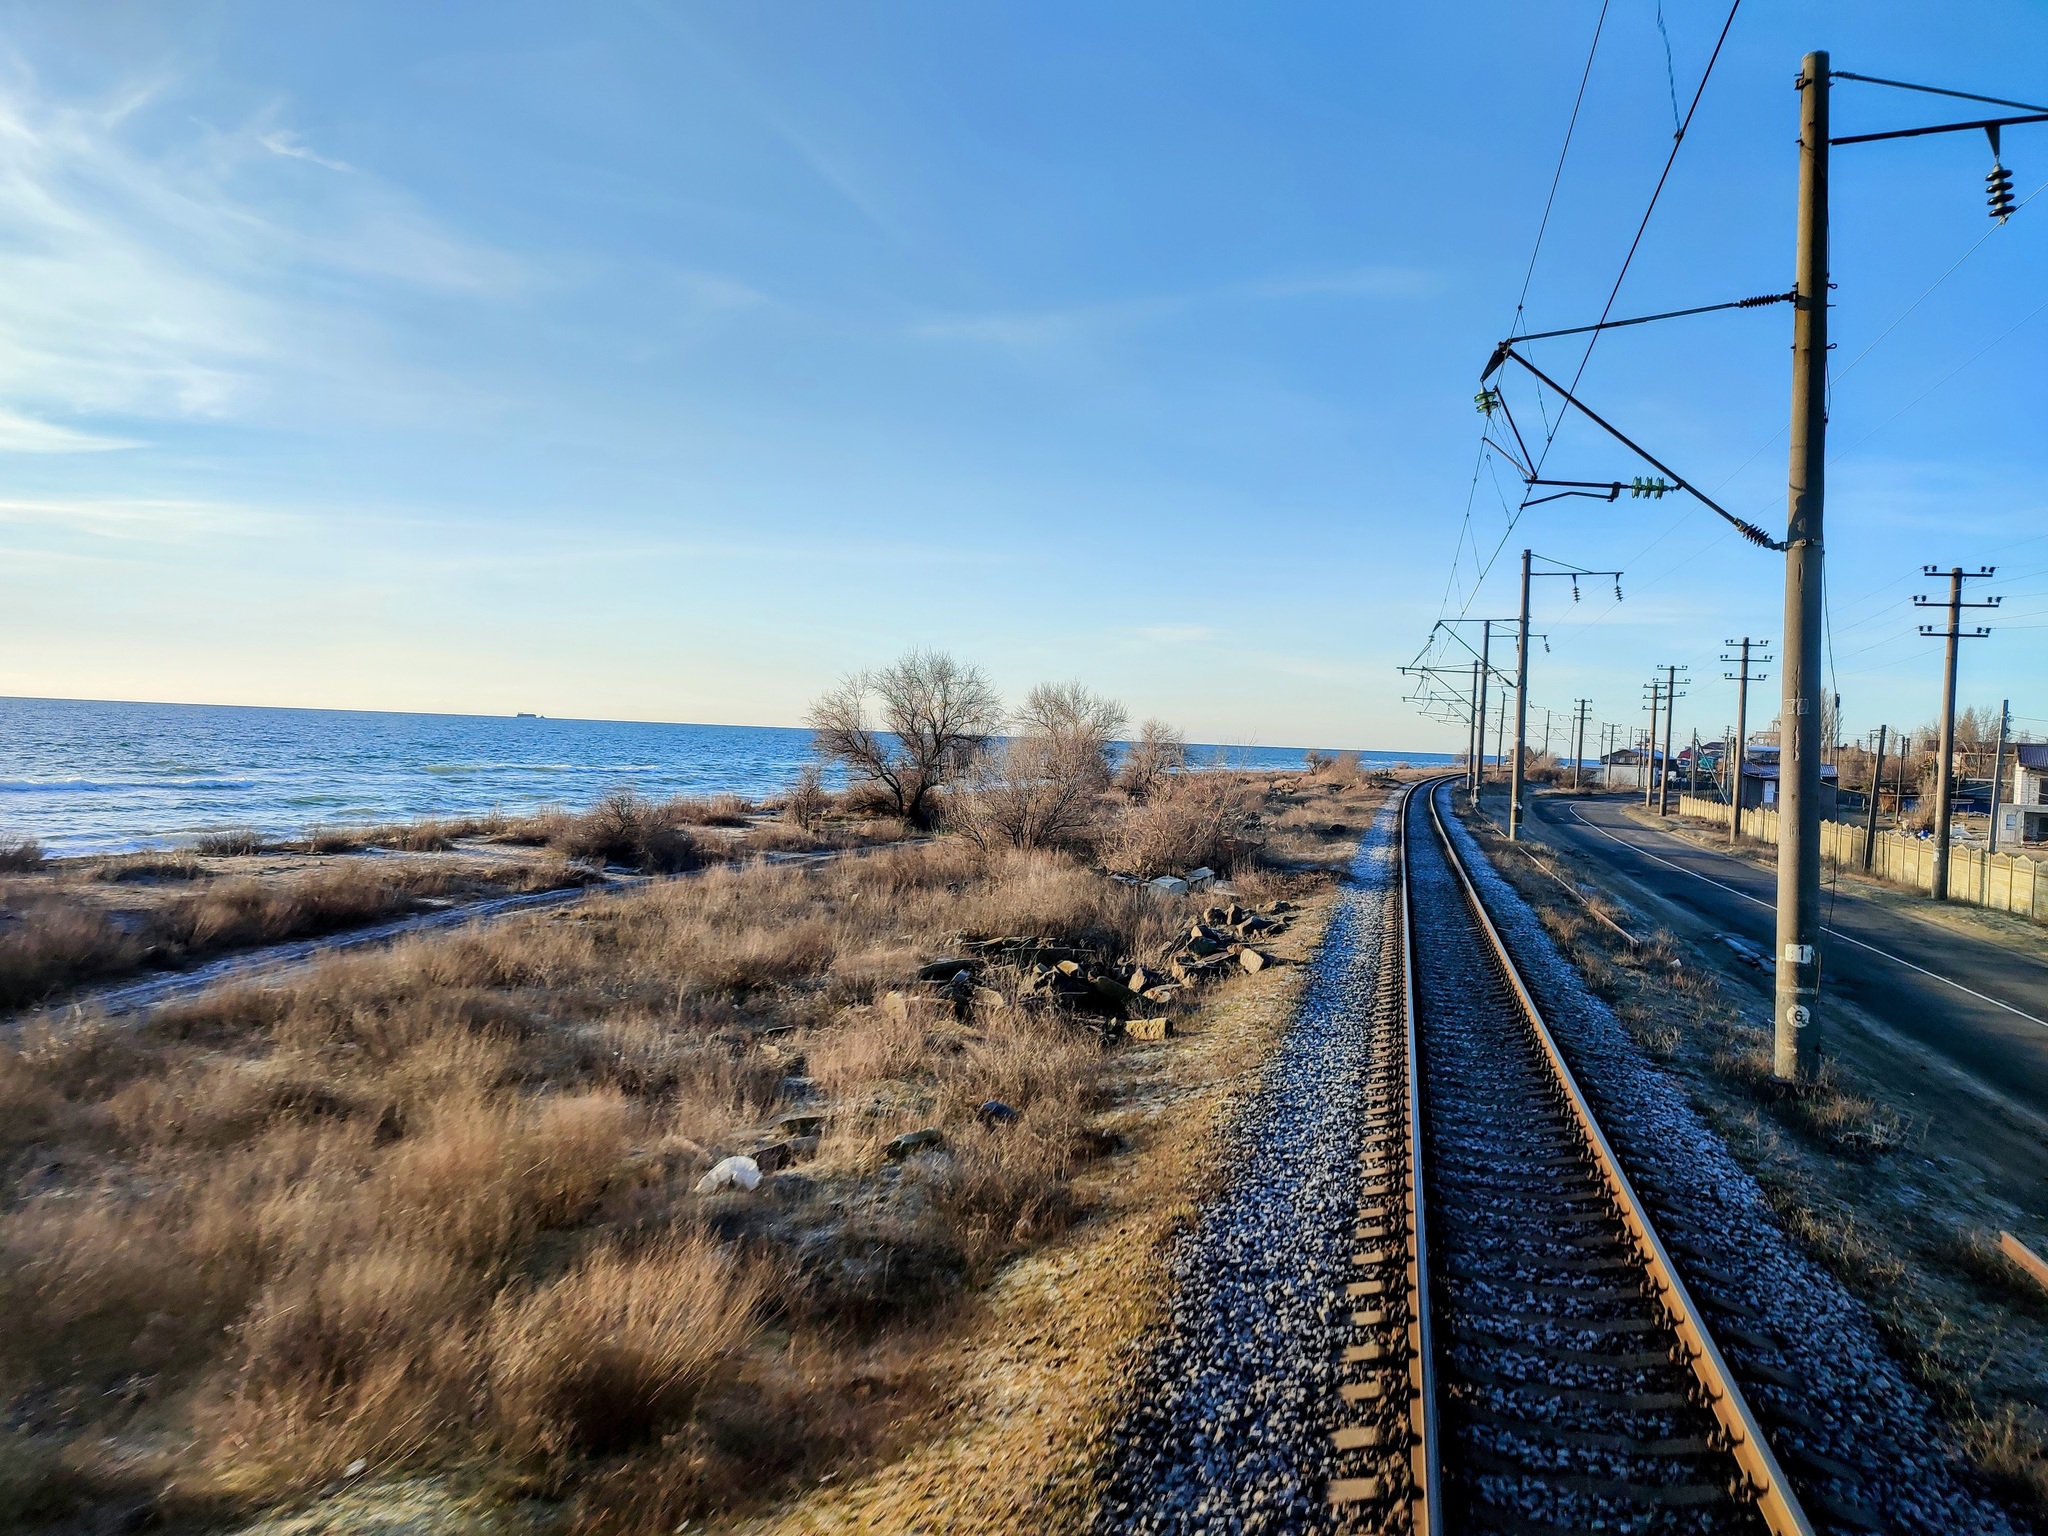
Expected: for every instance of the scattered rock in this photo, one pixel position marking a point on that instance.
(1168, 885)
(800, 1122)
(1252, 960)
(1141, 979)
(731, 1173)
(995, 1112)
(1114, 993)
(943, 970)
(912, 1141)
(989, 997)
(774, 1155)
(1201, 879)
(1148, 1029)
(895, 1006)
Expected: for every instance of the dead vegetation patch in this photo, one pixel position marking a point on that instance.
(436, 1210)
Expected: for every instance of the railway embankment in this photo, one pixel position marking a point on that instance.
(1892, 1176)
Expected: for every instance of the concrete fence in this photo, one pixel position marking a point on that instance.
(2007, 882)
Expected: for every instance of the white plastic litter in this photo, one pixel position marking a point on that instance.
(731, 1173)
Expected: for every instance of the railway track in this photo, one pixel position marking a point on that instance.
(1524, 1354)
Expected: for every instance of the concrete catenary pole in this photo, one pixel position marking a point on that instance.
(1998, 767)
(1579, 743)
(1500, 732)
(1471, 728)
(1876, 778)
(1485, 679)
(1670, 712)
(1741, 746)
(1650, 749)
(1796, 1036)
(1521, 708)
(1944, 764)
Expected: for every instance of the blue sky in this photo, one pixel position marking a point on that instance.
(663, 361)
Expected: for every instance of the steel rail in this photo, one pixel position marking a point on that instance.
(1426, 1502)
(1776, 1502)
(1392, 1155)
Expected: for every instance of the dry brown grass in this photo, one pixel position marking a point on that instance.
(1188, 821)
(56, 934)
(433, 1203)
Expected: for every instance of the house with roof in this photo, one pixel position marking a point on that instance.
(2023, 817)
(1760, 781)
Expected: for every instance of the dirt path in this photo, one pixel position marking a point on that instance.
(133, 996)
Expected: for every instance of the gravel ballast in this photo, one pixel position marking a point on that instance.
(1855, 1436)
(1229, 1429)
(1232, 1404)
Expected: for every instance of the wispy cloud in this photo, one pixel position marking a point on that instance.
(25, 434)
(282, 141)
(153, 265)
(1047, 328)
(145, 519)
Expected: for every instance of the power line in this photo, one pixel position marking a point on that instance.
(1677, 141)
(1565, 149)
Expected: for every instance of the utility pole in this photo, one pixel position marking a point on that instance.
(1742, 678)
(1546, 735)
(1670, 712)
(1521, 709)
(1579, 739)
(1472, 734)
(1650, 747)
(1500, 731)
(1571, 573)
(1876, 778)
(1944, 768)
(1485, 675)
(1998, 765)
(1796, 1044)
(1905, 755)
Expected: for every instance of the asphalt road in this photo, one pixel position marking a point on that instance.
(1979, 1005)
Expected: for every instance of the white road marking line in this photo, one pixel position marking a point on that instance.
(1836, 932)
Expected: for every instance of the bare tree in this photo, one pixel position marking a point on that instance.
(908, 728)
(1158, 751)
(1040, 786)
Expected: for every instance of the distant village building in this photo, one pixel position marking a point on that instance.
(1760, 780)
(2026, 816)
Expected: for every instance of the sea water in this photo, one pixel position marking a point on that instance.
(84, 776)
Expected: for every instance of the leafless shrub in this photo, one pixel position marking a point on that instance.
(624, 828)
(1200, 820)
(20, 855)
(907, 730)
(807, 800)
(1159, 750)
(1038, 788)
